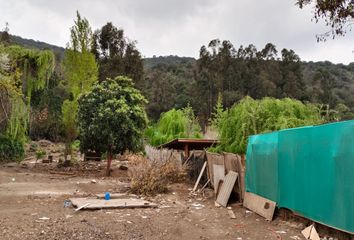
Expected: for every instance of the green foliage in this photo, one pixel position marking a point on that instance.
(180, 123)
(40, 153)
(250, 117)
(36, 67)
(75, 145)
(218, 113)
(80, 71)
(18, 122)
(10, 149)
(111, 117)
(117, 55)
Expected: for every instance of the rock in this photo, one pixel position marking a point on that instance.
(93, 181)
(122, 167)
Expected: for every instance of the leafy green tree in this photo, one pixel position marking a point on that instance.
(338, 14)
(111, 118)
(80, 73)
(250, 117)
(117, 55)
(176, 123)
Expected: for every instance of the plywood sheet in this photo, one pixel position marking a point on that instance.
(219, 175)
(226, 188)
(113, 203)
(259, 205)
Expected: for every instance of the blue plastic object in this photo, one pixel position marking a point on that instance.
(107, 196)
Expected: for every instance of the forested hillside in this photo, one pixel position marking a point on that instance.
(235, 73)
(30, 43)
(221, 69)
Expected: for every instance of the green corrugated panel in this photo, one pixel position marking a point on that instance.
(309, 170)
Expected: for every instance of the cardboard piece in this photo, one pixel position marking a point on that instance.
(259, 205)
(310, 233)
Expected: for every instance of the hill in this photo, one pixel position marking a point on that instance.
(30, 43)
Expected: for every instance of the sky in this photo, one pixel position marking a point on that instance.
(181, 27)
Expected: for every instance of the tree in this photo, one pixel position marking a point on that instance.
(250, 117)
(80, 72)
(111, 118)
(338, 15)
(176, 123)
(5, 36)
(117, 55)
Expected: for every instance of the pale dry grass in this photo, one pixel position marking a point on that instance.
(152, 177)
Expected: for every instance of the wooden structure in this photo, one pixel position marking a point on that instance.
(188, 144)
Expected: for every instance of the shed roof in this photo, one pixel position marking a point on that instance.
(193, 143)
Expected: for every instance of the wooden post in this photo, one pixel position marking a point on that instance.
(186, 150)
(109, 161)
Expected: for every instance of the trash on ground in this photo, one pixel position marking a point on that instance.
(311, 233)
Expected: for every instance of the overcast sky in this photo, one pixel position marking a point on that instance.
(181, 27)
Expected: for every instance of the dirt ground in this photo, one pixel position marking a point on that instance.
(32, 207)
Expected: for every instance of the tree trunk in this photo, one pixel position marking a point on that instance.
(109, 161)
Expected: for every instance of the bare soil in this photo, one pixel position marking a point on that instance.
(32, 207)
(32, 200)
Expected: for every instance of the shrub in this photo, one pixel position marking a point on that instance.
(250, 117)
(10, 150)
(152, 177)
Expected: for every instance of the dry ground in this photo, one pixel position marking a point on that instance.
(28, 194)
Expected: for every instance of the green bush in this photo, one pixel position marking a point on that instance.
(10, 150)
(173, 124)
(250, 117)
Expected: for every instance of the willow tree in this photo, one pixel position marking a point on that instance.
(176, 123)
(250, 117)
(23, 71)
(80, 72)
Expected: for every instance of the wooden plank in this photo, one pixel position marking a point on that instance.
(199, 177)
(92, 203)
(226, 188)
(219, 175)
(81, 207)
(213, 158)
(117, 195)
(259, 205)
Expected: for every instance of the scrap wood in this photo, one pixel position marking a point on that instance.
(219, 175)
(206, 184)
(260, 205)
(199, 177)
(275, 233)
(117, 195)
(226, 188)
(112, 203)
(231, 214)
(310, 233)
(82, 206)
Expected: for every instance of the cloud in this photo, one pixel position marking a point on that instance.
(181, 27)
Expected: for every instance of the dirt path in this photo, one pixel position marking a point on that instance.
(27, 197)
